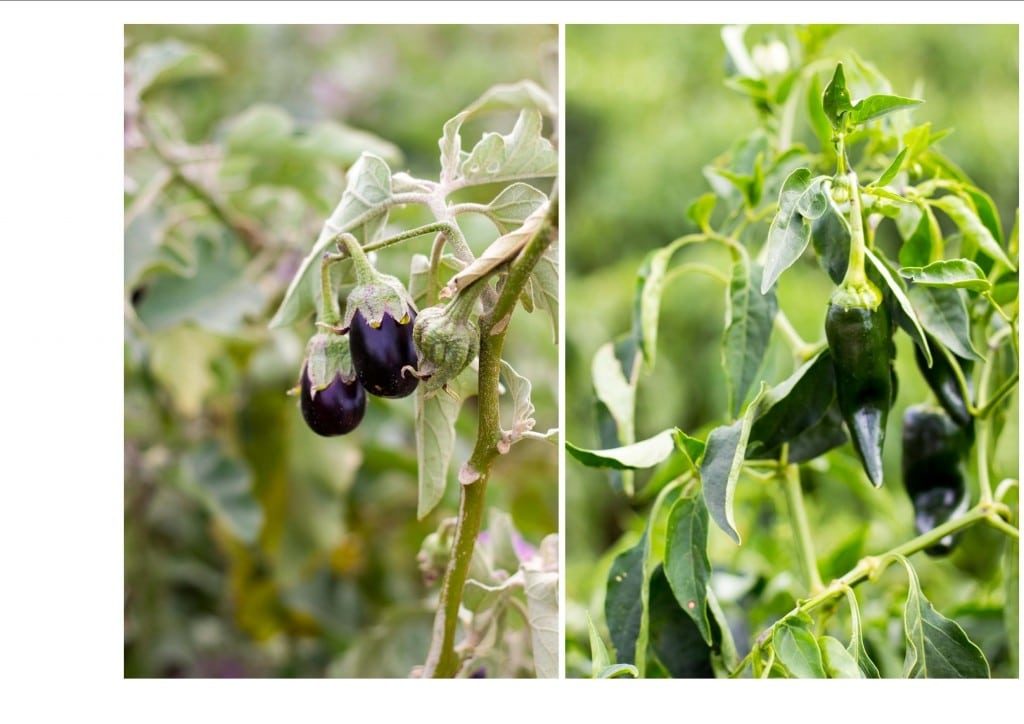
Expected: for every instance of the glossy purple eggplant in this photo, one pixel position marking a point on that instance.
(380, 354)
(335, 410)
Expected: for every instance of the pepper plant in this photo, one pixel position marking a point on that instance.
(913, 249)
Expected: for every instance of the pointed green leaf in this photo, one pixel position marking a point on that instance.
(899, 291)
(723, 461)
(790, 232)
(973, 229)
(943, 314)
(599, 659)
(937, 648)
(958, 273)
(750, 317)
(686, 559)
(796, 650)
(644, 454)
(876, 106)
(836, 99)
(622, 602)
(794, 405)
(838, 662)
(894, 168)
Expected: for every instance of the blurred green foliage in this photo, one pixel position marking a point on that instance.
(253, 547)
(646, 110)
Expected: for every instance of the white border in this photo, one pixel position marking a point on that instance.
(61, 533)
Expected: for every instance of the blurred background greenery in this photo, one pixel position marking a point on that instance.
(252, 546)
(646, 110)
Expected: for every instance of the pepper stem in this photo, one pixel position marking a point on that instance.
(855, 276)
(365, 273)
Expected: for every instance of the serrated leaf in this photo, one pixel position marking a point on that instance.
(644, 454)
(723, 461)
(435, 438)
(796, 650)
(899, 291)
(518, 389)
(501, 251)
(362, 211)
(749, 318)
(510, 208)
(217, 296)
(957, 273)
(169, 62)
(937, 648)
(687, 566)
(790, 232)
(838, 662)
(524, 94)
(544, 286)
(972, 228)
(877, 106)
(522, 154)
(894, 168)
(943, 314)
(541, 588)
(224, 487)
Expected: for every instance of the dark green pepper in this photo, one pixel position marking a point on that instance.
(943, 382)
(933, 449)
(859, 331)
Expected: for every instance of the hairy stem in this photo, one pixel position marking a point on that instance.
(443, 660)
(801, 528)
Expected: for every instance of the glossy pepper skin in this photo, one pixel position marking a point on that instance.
(862, 352)
(380, 354)
(336, 409)
(943, 382)
(933, 448)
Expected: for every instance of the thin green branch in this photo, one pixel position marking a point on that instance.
(801, 528)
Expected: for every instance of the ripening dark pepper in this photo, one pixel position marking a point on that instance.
(943, 382)
(337, 409)
(381, 355)
(933, 450)
(859, 332)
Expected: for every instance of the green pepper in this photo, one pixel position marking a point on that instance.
(859, 331)
(943, 382)
(933, 450)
